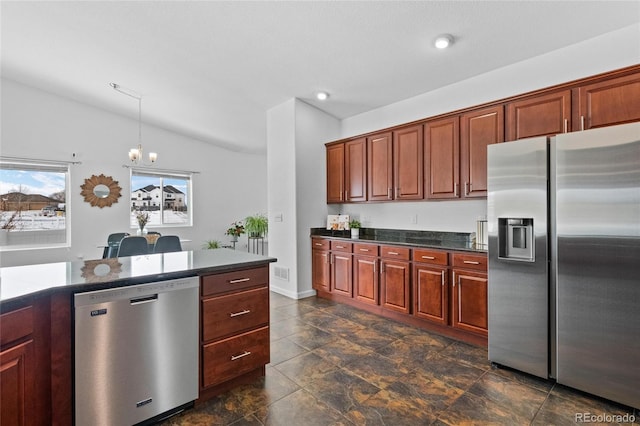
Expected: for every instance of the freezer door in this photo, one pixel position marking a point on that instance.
(518, 272)
(597, 197)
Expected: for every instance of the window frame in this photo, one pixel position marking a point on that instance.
(161, 174)
(48, 166)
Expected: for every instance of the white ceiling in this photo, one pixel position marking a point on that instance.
(210, 70)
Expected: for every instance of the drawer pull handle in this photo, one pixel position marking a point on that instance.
(237, 314)
(318, 244)
(364, 249)
(470, 262)
(239, 280)
(393, 253)
(339, 246)
(428, 257)
(242, 355)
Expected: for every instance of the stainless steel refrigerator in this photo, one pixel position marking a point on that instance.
(564, 259)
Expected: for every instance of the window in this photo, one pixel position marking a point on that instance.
(155, 193)
(33, 208)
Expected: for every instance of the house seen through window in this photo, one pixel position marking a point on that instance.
(33, 208)
(165, 197)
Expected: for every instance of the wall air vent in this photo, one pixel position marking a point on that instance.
(280, 272)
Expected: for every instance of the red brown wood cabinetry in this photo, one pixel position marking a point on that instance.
(431, 285)
(478, 129)
(395, 272)
(335, 173)
(469, 285)
(380, 167)
(408, 169)
(235, 327)
(355, 162)
(442, 158)
(606, 103)
(542, 115)
(320, 265)
(341, 268)
(365, 273)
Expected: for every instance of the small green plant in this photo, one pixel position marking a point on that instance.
(236, 229)
(211, 244)
(354, 224)
(256, 225)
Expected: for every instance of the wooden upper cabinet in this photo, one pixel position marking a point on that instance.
(478, 129)
(441, 158)
(380, 167)
(355, 161)
(543, 115)
(614, 101)
(335, 173)
(408, 157)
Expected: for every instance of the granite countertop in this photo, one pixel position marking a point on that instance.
(461, 241)
(19, 282)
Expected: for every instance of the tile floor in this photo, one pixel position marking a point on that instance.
(335, 365)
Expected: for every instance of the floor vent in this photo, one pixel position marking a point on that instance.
(282, 273)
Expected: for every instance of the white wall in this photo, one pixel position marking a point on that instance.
(37, 124)
(608, 52)
(297, 180)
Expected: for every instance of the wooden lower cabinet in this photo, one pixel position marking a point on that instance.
(470, 301)
(431, 293)
(395, 273)
(365, 279)
(342, 274)
(234, 328)
(17, 384)
(321, 267)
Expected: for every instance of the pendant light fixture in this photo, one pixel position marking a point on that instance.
(136, 154)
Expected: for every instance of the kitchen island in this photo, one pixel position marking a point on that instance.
(36, 302)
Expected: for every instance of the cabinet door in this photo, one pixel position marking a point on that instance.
(365, 279)
(543, 115)
(607, 103)
(408, 158)
(356, 170)
(395, 285)
(478, 129)
(335, 173)
(17, 390)
(320, 270)
(341, 274)
(442, 158)
(470, 301)
(380, 167)
(430, 293)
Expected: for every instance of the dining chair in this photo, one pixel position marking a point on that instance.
(167, 244)
(113, 242)
(133, 246)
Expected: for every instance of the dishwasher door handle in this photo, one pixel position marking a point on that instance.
(145, 299)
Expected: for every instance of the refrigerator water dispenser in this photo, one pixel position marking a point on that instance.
(515, 239)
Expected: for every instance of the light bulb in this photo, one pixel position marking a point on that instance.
(443, 41)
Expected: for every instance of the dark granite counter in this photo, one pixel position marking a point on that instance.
(19, 282)
(461, 241)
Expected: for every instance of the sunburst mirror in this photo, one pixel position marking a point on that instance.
(101, 191)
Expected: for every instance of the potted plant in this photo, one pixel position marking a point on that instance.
(355, 225)
(236, 229)
(211, 244)
(256, 226)
(143, 219)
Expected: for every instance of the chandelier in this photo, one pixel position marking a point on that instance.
(136, 154)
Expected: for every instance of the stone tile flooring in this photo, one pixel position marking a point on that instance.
(335, 365)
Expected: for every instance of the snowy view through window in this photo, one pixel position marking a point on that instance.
(164, 198)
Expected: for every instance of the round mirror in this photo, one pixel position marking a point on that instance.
(102, 270)
(101, 191)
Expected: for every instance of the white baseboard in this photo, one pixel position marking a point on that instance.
(291, 294)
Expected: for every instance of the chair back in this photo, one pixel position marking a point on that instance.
(133, 246)
(167, 244)
(113, 242)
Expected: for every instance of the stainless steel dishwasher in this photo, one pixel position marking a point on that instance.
(136, 352)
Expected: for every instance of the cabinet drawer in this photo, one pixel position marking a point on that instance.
(433, 257)
(470, 261)
(392, 252)
(232, 357)
(15, 325)
(341, 246)
(365, 249)
(225, 315)
(233, 281)
(320, 244)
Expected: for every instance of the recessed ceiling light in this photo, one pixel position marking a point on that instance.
(443, 41)
(322, 96)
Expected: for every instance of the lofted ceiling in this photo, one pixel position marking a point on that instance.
(211, 69)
